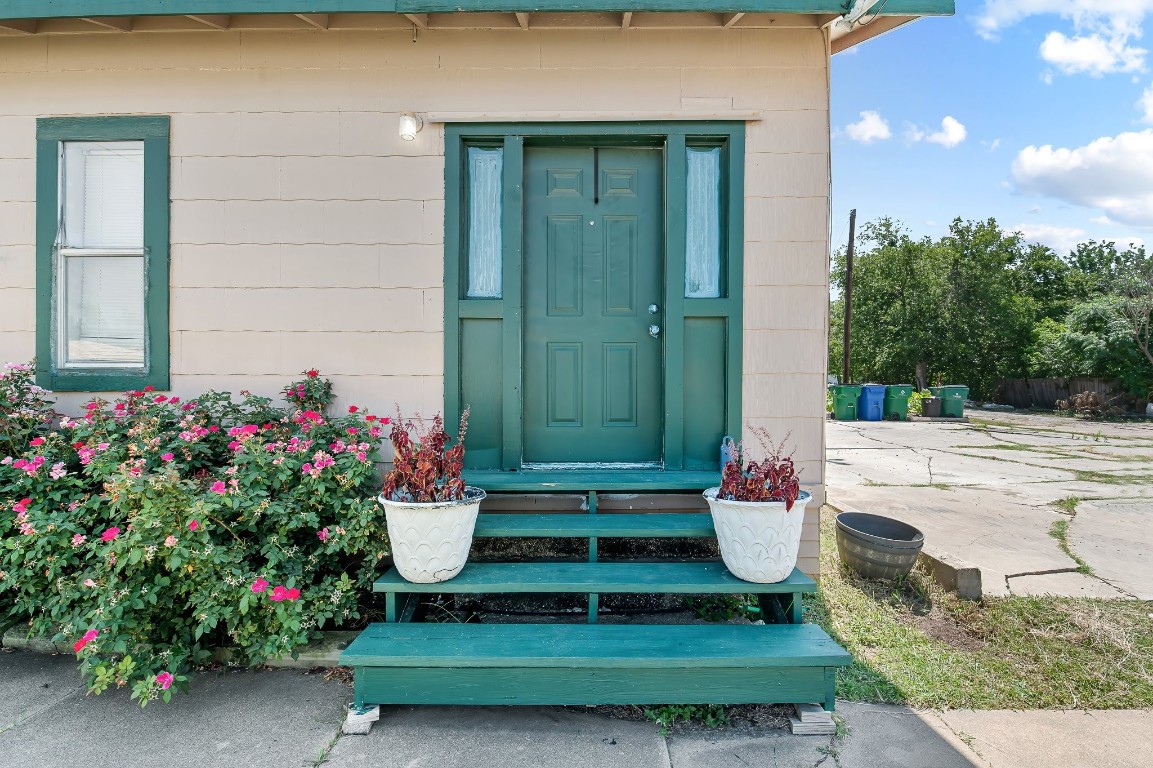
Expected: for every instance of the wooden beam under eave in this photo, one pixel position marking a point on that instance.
(27, 26)
(419, 19)
(317, 20)
(732, 18)
(523, 20)
(117, 23)
(220, 21)
(626, 19)
(862, 32)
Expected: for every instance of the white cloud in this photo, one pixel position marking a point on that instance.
(1113, 174)
(1060, 239)
(871, 127)
(951, 134)
(1092, 54)
(1145, 104)
(1121, 16)
(1102, 39)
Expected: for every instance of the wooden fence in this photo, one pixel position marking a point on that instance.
(1044, 393)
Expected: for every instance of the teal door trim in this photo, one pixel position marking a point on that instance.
(483, 336)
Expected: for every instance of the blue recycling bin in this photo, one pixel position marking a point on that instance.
(871, 405)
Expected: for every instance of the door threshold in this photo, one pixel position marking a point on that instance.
(592, 466)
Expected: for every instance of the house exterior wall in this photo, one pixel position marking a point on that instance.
(305, 232)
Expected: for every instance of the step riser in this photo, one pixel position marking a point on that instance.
(535, 686)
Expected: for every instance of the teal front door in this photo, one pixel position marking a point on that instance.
(593, 285)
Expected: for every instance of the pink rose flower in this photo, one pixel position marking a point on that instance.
(219, 487)
(278, 594)
(37, 441)
(170, 541)
(164, 680)
(322, 534)
(110, 534)
(166, 457)
(259, 585)
(292, 594)
(193, 525)
(78, 539)
(89, 583)
(88, 637)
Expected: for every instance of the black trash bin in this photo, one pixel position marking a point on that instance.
(931, 406)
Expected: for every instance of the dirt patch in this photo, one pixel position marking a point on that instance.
(742, 717)
(947, 631)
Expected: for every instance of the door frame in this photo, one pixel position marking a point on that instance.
(507, 452)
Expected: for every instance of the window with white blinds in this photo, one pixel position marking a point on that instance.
(100, 289)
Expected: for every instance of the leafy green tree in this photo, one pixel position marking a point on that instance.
(894, 291)
(1095, 339)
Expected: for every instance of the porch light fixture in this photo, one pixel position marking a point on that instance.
(856, 14)
(410, 125)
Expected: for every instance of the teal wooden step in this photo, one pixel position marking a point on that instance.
(597, 664)
(545, 481)
(606, 525)
(628, 577)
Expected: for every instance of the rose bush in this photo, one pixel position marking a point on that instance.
(150, 530)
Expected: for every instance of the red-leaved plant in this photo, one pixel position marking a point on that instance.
(773, 479)
(424, 469)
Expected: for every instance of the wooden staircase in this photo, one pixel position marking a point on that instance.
(400, 661)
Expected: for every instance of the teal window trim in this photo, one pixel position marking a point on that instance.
(153, 131)
(674, 136)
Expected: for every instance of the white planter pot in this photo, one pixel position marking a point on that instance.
(759, 540)
(430, 541)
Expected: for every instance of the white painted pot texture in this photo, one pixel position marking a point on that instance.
(430, 541)
(759, 540)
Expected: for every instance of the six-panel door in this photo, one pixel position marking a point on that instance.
(593, 279)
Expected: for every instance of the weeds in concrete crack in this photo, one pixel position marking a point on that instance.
(324, 753)
(970, 741)
(1060, 531)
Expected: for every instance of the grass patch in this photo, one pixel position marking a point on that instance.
(1108, 478)
(1068, 505)
(1060, 531)
(915, 644)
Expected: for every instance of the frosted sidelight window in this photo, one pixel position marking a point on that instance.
(100, 273)
(703, 224)
(485, 167)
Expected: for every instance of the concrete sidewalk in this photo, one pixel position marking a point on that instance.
(283, 719)
(984, 493)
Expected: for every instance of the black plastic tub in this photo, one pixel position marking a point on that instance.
(877, 547)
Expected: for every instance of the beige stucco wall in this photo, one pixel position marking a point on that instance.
(306, 233)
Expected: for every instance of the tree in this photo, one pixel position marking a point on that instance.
(1095, 339)
(893, 298)
(1135, 287)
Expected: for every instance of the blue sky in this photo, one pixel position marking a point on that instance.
(1033, 112)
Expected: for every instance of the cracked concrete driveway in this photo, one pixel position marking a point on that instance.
(986, 492)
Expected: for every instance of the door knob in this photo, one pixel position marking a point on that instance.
(654, 331)
(653, 309)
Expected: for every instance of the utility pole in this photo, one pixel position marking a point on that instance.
(849, 289)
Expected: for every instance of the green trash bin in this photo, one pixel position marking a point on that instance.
(897, 402)
(845, 401)
(953, 397)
